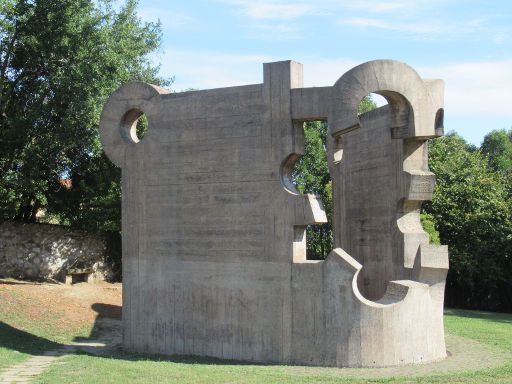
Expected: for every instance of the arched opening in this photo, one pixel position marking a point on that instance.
(371, 102)
(439, 122)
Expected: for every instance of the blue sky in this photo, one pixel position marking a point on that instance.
(219, 43)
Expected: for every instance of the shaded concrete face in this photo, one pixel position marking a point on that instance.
(214, 258)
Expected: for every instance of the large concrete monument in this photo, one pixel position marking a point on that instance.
(214, 247)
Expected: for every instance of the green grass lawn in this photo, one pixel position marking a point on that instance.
(494, 329)
(488, 335)
(21, 336)
(490, 329)
(17, 345)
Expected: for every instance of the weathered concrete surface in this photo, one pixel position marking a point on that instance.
(214, 259)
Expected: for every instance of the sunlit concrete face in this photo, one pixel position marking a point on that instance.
(214, 259)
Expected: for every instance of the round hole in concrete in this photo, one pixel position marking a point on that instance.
(134, 125)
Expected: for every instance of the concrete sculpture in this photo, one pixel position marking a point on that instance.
(214, 252)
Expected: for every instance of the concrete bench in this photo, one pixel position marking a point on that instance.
(76, 275)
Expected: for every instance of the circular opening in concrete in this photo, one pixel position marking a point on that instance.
(134, 126)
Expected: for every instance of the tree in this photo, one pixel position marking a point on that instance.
(429, 225)
(59, 61)
(473, 214)
(311, 175)
(497, 146)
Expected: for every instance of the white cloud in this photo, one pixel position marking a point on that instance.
(275, 31)
(319, 73)
(365, 22)
(415, 28)
(276, 11)
(205, 70)
(291, 9)
(270, 20)
(476, 88)
(397, 7)
(169, 18)
(418, 19)
(426, 28)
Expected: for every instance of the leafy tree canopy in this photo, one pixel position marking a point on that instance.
(59, 61)
(473, 213)
(497, 145)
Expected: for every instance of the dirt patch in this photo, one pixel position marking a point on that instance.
(68, 307)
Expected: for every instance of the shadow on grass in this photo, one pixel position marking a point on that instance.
(24, 342)
(107, 310)
(489, 316)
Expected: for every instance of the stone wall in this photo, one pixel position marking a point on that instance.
(45, 251)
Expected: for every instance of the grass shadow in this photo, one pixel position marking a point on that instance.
(107, 322)
(24, 342)
(107, 310)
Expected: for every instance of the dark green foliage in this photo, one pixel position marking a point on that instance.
(59, 61)
(311, 175)
(473, 214)
(429, 225)
(94, 201)
(366, 105)
(142, 127)
(497, 146)
(114, 253)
